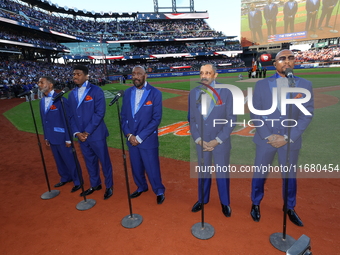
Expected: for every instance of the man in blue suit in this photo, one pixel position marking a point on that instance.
(141, 115)
(327, 9)
(88, 105)
(289, 11)
(56, 134)
(312, 8)
(255, 23)
(215, 140)
(270, 12)
(271, 135)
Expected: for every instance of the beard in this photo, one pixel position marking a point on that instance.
(138, 83)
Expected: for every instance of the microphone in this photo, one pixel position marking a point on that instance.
(28, 92)
(289, 74)
(199, 99)
(119, 94)
(65, 90)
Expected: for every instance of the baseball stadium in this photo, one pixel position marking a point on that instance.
(40, 38)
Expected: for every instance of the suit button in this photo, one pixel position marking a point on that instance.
(278, 132)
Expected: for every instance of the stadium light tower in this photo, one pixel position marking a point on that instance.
(174, 7)
(155, 5)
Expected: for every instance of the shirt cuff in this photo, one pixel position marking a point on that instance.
(198, 140)
(218, 140)
(286, 138)
(139, 139)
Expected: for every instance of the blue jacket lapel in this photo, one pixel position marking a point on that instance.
(142, 100)
(132, 100)
(51, 102)
(88, 87)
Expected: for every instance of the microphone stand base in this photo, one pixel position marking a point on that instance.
(281, 244)
(50, 194)
(85, 205)
(132, 221)
(203, 233)
(333, 31)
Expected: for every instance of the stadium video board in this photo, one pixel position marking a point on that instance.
(270, 21)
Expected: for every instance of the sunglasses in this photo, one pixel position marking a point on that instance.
(283, 58)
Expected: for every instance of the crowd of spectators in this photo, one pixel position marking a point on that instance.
(16, 75)
(317, 55)
(111, 30)
(31, 37)
(93, 30)
(172, 49)
(192, 65)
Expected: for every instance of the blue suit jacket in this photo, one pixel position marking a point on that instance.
(223, 111)
(328, 3)
(262, 100)
(88, 114)
(270, 14)
(311, 7)
(289, 12)
(53, 121)
(146, 120)
(255, 22)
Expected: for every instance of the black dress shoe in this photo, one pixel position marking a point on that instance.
(75, 188)
(137, 193)
(160, 199)
(91, 190)
(226, 210)
(59, 184)
(108, 193)
(294, 218)
(255, 212)
(197, 207)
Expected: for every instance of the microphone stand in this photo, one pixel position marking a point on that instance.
(336, 16)
(202, 230)
(86, 203)
(282, 241)
(131, 220)
(50, 193)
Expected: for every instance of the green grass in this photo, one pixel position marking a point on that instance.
(320, 144)
(321, 140)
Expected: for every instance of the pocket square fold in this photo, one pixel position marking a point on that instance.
(88, 98)
(298, 96)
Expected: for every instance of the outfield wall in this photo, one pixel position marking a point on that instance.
(220, 71)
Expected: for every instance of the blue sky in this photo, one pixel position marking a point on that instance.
(224, 15)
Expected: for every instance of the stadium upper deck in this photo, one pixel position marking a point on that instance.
(125, 27)
(128, 34)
